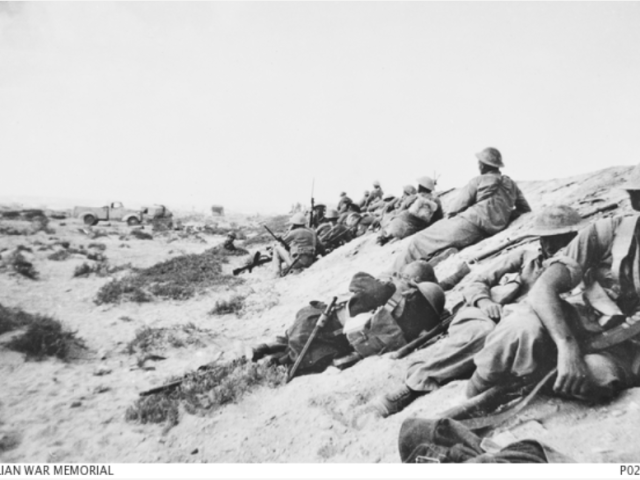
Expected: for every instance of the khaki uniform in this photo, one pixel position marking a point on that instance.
(605, 256)
(484, 207)
(423, 210)
(303, 243)
(506, 280)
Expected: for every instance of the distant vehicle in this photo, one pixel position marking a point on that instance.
(217, 210)
(113, 211)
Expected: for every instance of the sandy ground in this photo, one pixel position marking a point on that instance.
(75, 412)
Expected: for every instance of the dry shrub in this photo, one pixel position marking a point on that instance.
(13, 318)
(140, 235)
(205, 390)
(178, 278)
(9, 441)
(98, 246)
(59, 255)
(152, 339)
(21, 266)
(45, 337)
(223, 307)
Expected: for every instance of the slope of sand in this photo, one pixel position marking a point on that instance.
(74, 412)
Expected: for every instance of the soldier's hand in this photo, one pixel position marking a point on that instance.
(491, 308)
(572, 376)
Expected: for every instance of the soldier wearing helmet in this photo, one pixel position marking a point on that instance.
(380, 315)
(505, 281)
(421, 211)
(228, 243)
(604, 260)
(303, 246)
(332, 234)
(484, 207)
(374, 195)
(344, 203)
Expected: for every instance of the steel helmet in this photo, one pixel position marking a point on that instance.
(434, 295)
(231, 235)
(633, 182)
(319, 205)
(490, 156)
(343, 194)
(427, 182)
(376, 183)
(556, 220)
(409, 189)
(419, 271)
(331, 214)
(298, 219)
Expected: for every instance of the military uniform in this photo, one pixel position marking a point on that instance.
(484, 207)
(303, 243)
(424, 210)
(606, 257)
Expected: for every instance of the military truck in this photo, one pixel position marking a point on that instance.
(113, 211)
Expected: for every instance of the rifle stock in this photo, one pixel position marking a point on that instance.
(423, 339)
(258, 260)
(510, 242)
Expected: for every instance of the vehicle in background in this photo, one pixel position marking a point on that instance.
(113, 211)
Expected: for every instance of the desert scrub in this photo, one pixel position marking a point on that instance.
(21, 266)
(178, 278)
(13, 318)
(205, 390)
(101, 269)
(44, 336)
(140, 235)
(223, 307)
(98, 246)
(149, 339)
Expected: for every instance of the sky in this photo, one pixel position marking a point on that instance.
(248, 105)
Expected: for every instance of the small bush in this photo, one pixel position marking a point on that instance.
(98, 246)
(13, 318)
(23, 267)
(45, 337)
(224, 307)
(9, 441)
(206, 390)
(151, 339)
(126, 289)
(59, 255)
(140, 235)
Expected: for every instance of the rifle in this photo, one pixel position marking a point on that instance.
(426, 337)
(319, 324)
(279, 239)
(609, 338)
(288, 269)
(509, 242)
(312, 204)
(257, 260)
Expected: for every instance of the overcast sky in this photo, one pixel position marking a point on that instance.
(243, 104)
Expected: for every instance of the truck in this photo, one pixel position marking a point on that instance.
(114, 211)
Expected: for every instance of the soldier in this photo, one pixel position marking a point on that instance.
(318, 215)
(375, 194)
(483, 208)
(382, 314)
(303, 244)
(365, 197)
(332, 234)
(228, 243)
(344, 203)
(420, 212)
(554, 332)
(505, 281)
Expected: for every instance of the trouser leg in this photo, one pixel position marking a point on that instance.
(518, 347)
(452, 357)
(280, 255)
(454, 232)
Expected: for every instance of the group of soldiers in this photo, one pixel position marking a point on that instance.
(570, 307)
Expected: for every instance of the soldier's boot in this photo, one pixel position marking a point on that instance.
(395, 402)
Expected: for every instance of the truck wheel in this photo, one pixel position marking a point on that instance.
(132, 221)
(90, 220)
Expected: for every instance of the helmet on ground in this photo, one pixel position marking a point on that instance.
(490, 156)
(419, 271)
(298, 219)
(427, 182)
(409, 189)
(633, 182)
(434, 295)
(376, 183)
(557, 220)
(331, 214)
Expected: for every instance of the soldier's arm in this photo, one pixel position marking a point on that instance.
(478, 292)
(564, 274)
(465, 198)
(521, 205)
